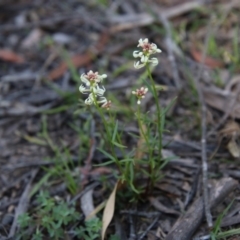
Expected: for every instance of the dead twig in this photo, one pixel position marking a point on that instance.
(132, 235)
(193, 190)
(149, 228)
(22, 205)
(185, 226)
(143, 19)
(169, 44)
(46, 22)
(226, 222)
(15, 109)
(204, 133)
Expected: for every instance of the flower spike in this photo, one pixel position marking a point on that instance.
(147, 50)
(91, 86)
(140, 93)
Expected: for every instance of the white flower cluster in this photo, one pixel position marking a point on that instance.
(91, 86)
(140, 93)
(147, 50)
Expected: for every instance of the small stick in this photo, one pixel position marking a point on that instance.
(193, 190)
(22, 205)
(171, 56)
(149, 228)
(204, 133)
(185, 226)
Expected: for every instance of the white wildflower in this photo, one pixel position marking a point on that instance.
(140, 93)
(91, 86)
(107, 105)
(91, 78)
(99, 91)
(147, 50)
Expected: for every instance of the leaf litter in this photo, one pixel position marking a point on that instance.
(35, 82)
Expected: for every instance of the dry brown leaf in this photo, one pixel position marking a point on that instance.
(222, 101)
(80, 60)
(10, 56)
(209, 61)
(77, 61)
(109, 210)
(96, 210)
(32, 39)
(233, 148)
(101, 171)
(231, 129)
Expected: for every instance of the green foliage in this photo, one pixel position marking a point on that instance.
(62, 161)
(91, 231)
(146, 160)
(24, 220)
(37, 235)
(216, 232)
(51, 216)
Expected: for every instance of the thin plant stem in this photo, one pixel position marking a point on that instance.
(150, 151)
(158, 113)
(108, 133)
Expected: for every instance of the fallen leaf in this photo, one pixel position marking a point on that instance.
(209, 61)
(87, 204)
(222, 101)
(101, 171)
(109, 210)
(231, 129)
(233, 148)
(10, 56)
(77, 61)
(96, 210)
(32, 39)
(80, 60)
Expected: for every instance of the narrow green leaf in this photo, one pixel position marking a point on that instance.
(107, 154)
(115, 132)
(118, 144)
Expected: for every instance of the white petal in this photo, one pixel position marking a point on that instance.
(103, 75)
(137, 65)
(140, 42)
(89, 101)
(145, 40)
(102, 100)
(137, 54)
(82, 89)
(144, 59)
(99, 91)
(154, 61)
(138, 102)
(85, 80)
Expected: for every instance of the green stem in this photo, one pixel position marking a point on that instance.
(99, 109)
(158, 113)
(150, 151)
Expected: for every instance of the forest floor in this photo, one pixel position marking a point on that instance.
(54, 178)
